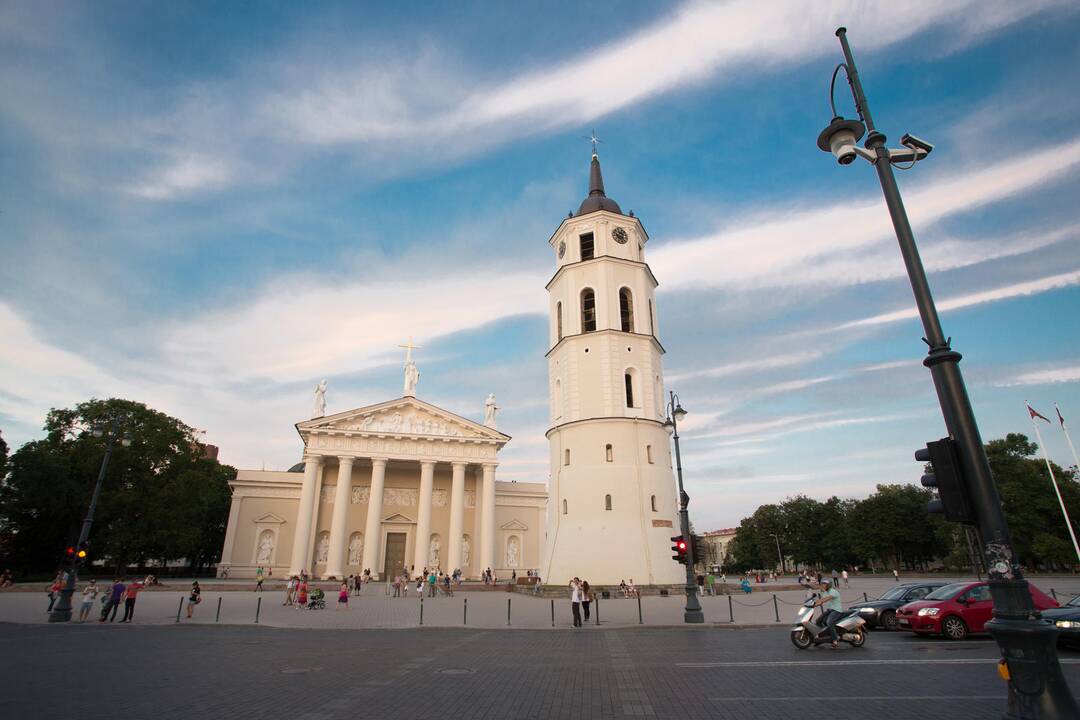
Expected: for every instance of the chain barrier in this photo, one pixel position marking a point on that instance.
(767, 601)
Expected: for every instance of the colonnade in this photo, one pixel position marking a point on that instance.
(337, 553)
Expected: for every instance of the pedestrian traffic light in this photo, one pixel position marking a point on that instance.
(678, 547)
(69, 552)
(697, 549)
(947, 478)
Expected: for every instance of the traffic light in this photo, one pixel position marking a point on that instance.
(947, 478)
(83, 552)
(69, 552)
(678, 547)
(697, 549)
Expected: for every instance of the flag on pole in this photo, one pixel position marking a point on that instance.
(1035, 414)
(1060, 419)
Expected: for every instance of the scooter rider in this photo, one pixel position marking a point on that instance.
(830, 599)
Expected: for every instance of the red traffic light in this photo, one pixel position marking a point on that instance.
(681, 544)
(69, 551)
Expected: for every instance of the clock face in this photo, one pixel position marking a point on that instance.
(620, 235)
(562, 249)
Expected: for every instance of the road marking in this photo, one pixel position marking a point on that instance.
(794, 698)
(819, 663)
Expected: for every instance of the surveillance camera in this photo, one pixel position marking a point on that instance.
(910, 141)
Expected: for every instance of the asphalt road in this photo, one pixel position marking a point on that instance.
(191, 671)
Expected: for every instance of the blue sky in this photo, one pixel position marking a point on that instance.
(210, 207)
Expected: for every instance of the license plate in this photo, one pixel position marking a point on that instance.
(904, 621)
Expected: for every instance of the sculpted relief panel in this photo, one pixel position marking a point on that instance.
(400, 496)
(438, 498)
(360, 494)
(406, 423)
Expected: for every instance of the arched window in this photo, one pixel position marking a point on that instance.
(608, 453)
(653, 502)
(588, 310)
(648, 456)
(566, 460)
(558, 320)
(607, 502)
(628, 380)
(586, 246)
(564, 506)
(626, 310)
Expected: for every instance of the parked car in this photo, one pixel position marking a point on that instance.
(881, 613)
(957, 609)
(1067, 620)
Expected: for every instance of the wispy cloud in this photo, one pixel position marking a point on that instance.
(1048, 376)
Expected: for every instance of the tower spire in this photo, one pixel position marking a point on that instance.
(596, 179)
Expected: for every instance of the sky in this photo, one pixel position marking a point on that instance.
(209, 207)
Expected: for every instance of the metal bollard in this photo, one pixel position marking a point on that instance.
(730, 609)
(639, 620)
(421, 610)
(552, 613)
(217, 615)
(507, 612)
(1053, 594)
(465, 613)
(597, 611)
(864, 598)
(258, 608)
(181, 607)
(776, 607)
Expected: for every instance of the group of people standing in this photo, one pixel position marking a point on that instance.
(581, 597)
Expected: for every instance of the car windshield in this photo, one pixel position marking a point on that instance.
(946, 592)
(894, 593)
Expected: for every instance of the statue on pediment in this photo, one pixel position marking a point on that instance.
(320, 400)
(490, 408)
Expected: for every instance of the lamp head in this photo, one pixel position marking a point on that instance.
(840, 137)
(669, 426)
(679, 413)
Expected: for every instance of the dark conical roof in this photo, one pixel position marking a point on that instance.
(597, 200)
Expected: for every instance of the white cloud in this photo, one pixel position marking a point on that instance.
(735, 368)
(184, 175)
(1044, 377)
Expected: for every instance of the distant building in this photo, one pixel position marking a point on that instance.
(717, 543)
(209, 452)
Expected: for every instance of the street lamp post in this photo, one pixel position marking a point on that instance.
(61, 612)
(1036, 685)
(778, 553)
(692, 613)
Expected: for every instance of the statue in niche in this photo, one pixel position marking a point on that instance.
(266, 547)
(320, 400)
(356, 549)
(322, 550)
(490, 408)
(512, 552)
(466, 551)
(433, 551)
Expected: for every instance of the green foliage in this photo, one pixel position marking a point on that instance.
(160, 499)
(892, 526)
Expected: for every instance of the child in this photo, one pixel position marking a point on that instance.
(343, 597)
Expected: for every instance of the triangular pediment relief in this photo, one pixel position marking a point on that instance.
(269, 519)
(405, 416)
(398, 518)
(515, 525)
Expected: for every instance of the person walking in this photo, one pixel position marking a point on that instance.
(575, 601)
(194, 598)
(115, 593)
(301, 594)
(431, 582)
(586, 598)
(844, 574)
(258, 579)
(130, 593)
(54, 590)
(89, 595)
(896, 575)
(290, 591)
(343, 597)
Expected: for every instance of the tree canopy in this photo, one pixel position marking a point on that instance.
(161, 499)
(893, 527)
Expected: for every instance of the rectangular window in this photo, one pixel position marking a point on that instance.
(648, 455)
(566, 460)
(586, 246)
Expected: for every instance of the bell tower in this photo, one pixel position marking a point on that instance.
(612, 499)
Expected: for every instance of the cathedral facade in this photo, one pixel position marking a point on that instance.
(407, 485)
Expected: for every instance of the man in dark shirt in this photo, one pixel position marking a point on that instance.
(114, 600)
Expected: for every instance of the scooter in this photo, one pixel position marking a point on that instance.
(810, 629)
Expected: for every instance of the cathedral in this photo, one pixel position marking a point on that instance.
(407, 484)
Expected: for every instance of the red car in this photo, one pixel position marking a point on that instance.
(958, 609)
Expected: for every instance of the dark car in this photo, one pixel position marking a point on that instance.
(882, 612)
(958, 609)
(1067, 620)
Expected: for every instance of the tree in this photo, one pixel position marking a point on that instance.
(161, 499)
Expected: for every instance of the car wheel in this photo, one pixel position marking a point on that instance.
(954, 628)
(888, 621)
(800, 638)
(860, 638)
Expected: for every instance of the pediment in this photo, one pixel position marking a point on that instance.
(269, 519)
(398, 518)
(405, 416)
(515, 525)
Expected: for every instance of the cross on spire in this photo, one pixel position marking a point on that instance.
(594, 139)
(409, 347)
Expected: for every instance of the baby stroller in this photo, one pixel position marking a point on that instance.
(317, 600)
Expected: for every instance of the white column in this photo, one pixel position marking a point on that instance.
(301, 540)
(373, 528)
(487, 547)
(230, 533)
(423, 516)
(335, 566)
(457, 517)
